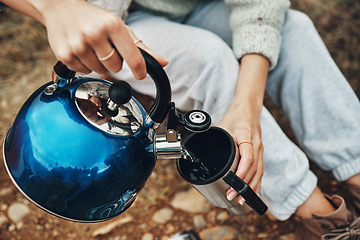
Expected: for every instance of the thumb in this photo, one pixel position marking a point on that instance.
(162, 61)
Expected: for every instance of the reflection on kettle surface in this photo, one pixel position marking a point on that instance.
(91, 96)
(64, 165)
(82, 148)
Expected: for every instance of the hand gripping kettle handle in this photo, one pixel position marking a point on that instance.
(161, 106)
(252, 199)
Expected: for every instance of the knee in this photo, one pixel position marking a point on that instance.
(211, 49)
(300, 40)
(299, 20)
(212, 57)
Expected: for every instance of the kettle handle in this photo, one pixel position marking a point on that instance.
(161, 106)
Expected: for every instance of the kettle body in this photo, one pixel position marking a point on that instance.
(64, 163)
(82, 148)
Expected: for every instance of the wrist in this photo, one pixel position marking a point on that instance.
(251, 83)
(46, 8)
(247, 105)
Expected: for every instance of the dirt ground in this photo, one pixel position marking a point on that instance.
(25, 64)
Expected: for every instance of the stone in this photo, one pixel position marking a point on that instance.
(263, 235)
(199, 221)
(17, 211)
(216, 233)
(223, 216)
(3, 207)
(124, 237)
(12, 228)
(290, 236)
(169, 229)
(211, 217)
(3, 219)
(163, 215)
(19, 225)
(55, 233)
(5, 191)
(270, 216)
(147, 236)
(48, 226)
(251, 228)
(190, 201)
(110, 226)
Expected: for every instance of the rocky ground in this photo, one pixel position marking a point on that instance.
(167, 204)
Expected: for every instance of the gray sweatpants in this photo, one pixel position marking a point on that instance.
(323, 110)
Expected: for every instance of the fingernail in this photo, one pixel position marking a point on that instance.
(231, 195)
(242, 201)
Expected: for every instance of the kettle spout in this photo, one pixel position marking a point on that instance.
(168, 145)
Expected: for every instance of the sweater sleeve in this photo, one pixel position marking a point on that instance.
(256, 26)
(118, 7)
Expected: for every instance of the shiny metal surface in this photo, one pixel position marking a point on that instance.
(89, 98)
(197, 117)
(212, 186)
(168, 149)
(64, 163)
(215, 192)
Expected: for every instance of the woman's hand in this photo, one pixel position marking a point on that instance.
(243, 124)
(86, 37)
(242, 121)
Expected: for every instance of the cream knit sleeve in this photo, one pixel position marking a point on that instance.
(256, 26)
(118, 7)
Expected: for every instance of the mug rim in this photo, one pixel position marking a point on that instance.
(221, 172)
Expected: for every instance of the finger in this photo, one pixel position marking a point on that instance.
(246, 160)
(255, 182)
(254, 166)
(231, 194)
(106, 54)
(162, 61)
(65, 54)
(88, 58)
(258, 188)
(75, 65)
(241, 200)
(124, 44)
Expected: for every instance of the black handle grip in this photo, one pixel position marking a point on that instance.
(62, 71)
(162, 102)
(252, 199)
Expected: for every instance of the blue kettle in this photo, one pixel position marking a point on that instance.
(82, 148)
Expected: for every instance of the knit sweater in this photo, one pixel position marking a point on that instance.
(256, 24)
(168, 8)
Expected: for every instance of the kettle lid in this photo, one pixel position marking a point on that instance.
(109, 108)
